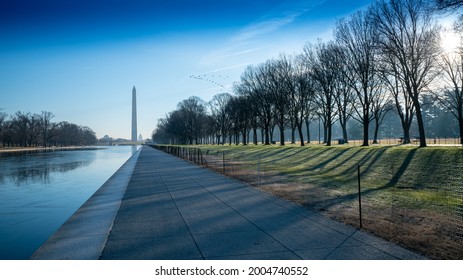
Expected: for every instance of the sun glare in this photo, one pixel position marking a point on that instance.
(450, 41)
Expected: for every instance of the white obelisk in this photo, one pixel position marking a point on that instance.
(134, 114)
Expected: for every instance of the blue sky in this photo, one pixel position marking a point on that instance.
(80, 59)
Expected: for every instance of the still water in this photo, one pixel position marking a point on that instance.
(40, 191)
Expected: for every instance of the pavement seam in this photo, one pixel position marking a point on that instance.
(264, 231)
(287, 201)
(236, 255)
(365, 244)
(180, 213)
(262, 195)
(292, 211)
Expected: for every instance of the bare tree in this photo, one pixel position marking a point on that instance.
(245, 117)
(321, 59)
(450, 95)
(381, 105)
(33, 130)
(186, 125)
(448, 4)
(254, 121)
(408, 34)
(289, 85)
(19, 128)
(240, 113)
(451, 6)
(402, 100)
(193, 110)
(280, 87)
(302, 96)
(357, 36)
(3, 119)
(218, 106)
(254, 84)
(176, 127)
(88, 136)
(26, 129)
(161, 132)
(344, 95)
(309, 116)
(47, 128)
(345, 100)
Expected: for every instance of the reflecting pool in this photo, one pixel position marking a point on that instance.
(39, 191)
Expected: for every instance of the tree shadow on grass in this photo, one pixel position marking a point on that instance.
(350, 165)
(329, 202)
(401, 170)
(322, 164)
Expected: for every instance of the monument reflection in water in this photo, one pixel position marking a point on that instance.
(40, 191)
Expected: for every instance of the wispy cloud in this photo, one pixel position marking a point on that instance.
(251, 43)
(281, 15)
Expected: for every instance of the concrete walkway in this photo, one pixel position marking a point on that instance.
(172, 209)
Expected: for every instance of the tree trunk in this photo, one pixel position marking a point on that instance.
(267, 135)
(307, 125)
(344, 133)
(301, 135)
(294, 125)
(324, 136)
(366, 125)
(328, 133)
(293, 135)
(325, 132)
(344, 128)
(406, 129)
(281, 126)
(419, 118)
(375, 137)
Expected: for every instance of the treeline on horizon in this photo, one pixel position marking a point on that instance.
(38, 130)
(385, 59)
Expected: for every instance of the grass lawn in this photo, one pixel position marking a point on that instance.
(411, 196)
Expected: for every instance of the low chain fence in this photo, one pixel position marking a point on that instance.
(400, 197)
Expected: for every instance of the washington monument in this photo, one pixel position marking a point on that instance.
(134, 114)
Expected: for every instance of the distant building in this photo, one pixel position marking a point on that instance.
(140, 138)
(105, 141)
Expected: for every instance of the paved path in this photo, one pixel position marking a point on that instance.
(172, 209)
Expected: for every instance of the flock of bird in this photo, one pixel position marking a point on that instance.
(209, 78)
